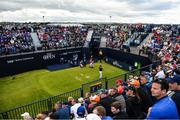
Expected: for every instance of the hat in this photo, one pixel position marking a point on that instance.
(175, 79)
(25, 114)
(81, 100)
(95, 98)
(93, 116)
(135, 83)
(81, 111)
(136, 77)
(131, 88)
(119, 81)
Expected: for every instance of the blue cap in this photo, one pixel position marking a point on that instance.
(175, 79)
(81, 111)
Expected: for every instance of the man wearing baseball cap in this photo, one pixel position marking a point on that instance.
(174, 85)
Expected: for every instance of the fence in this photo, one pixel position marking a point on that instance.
(39, 106)
(47, 104)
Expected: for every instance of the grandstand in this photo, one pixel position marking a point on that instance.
(145, 50)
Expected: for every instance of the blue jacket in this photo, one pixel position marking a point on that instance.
(63, 113)
(165, 108)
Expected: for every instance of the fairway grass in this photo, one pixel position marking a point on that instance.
(27, 87)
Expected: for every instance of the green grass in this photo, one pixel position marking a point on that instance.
(36, 85)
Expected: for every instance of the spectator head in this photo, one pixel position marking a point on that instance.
(44, 114)
(93, 116)
(174, 82)
(119, 82)
(112, 91)
(154, 72)
(95, 98)
(70, 99)
(135, 83)
(159, 88)
(87, 95)
(115, 107)
(26, 116)
(81, 100)
(103, 93)
(100, 111)
(143, 79)
(74, 101)
(81, 111)
(131, 91)
(58, 105)
(39, 117)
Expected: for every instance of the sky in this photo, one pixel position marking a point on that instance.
(122, 11)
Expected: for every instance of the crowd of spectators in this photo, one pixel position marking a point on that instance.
(56, 36)
(132, 33)
(153, 94)
(164, 42)
(15, 38)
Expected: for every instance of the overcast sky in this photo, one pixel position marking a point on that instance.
(126, 11)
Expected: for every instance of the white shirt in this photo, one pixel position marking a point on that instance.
(160, 74)
(74, 110)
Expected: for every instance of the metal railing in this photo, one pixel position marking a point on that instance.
(48, 104)
(39, 106)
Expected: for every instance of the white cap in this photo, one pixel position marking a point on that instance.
(81, 100)
(93, 116)
(25, 114)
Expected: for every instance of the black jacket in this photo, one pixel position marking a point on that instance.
(176, 99)
(133, 107)
(106, 103)
(120, 115)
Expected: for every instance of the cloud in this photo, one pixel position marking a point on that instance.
(94, 10)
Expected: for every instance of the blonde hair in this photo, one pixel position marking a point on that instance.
(39, 116)
(70, 98)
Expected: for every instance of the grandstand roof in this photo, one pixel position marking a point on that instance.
(65, 25)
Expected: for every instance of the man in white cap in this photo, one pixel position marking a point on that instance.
(26, 116)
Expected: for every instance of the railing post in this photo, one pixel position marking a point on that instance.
(106, 83)
(82, 92)
(5, 115)
(125, 77)
(49, 104)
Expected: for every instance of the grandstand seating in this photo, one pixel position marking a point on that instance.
(15, 39)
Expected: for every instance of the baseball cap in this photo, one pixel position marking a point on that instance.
(81, 100)
(95, 98)
(132, 88)
(81, 111)
(119, 81)
(93, 116)
(25, 114)
(135, 83)
(175, 79)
